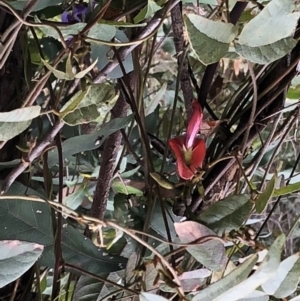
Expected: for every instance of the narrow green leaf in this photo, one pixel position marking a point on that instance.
(119, 187)
(82, 73)
(151, 297)
(264, 197)
(57, 73)
(287, 189)
(286, 280)
(234, 278)
(73, 103)
(265, 271)
(162, 181)
(69, 66)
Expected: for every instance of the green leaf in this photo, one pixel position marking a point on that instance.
(287, 189)
(211, 253)
(87, 289)
(264, 197)
(286, 280)
(88, 142)
(99, 31)
(162, 181)
(147, 11)
(227, 214)
(265, 271)
(97, 102)
(119, 187)
(151, 297)
(276, 24)
(17, 257)
(41, 4)
(84, 72)
(73, 103)
(69, 75)
(209, 39)
(122, 24)
(57, 73)
(15, 122)
(234, 278)
(104, 53)
(125, 174)
(32, 222)
(75, 199)
(293, 93)
(256, 296)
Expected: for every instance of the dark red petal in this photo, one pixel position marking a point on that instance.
(198, 155)
(184, 171)
(194, 124)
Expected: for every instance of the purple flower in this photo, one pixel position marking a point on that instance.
(78, 14)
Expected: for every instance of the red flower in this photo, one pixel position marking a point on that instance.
(188, 149)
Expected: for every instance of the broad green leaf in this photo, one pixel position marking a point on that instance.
(231, 280)
(265, 271)
(157, 222)
(147, 11)
(156, 99)
(87, 289)
(211, 253)
(41, 4)
(17, 257)
(15, 122)
(287, 189)
(97, 102)
(103, 53)
(209, 39)
(103, 32)
(119, 187)
(98, 31)
(151, 297)
(75, 199)
(264, 197)
(126, 174)
(227, 214)
(88, 142)
(276, 24)
(32, 222)
(285, 281)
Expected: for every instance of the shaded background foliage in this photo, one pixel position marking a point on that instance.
(92, 206)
